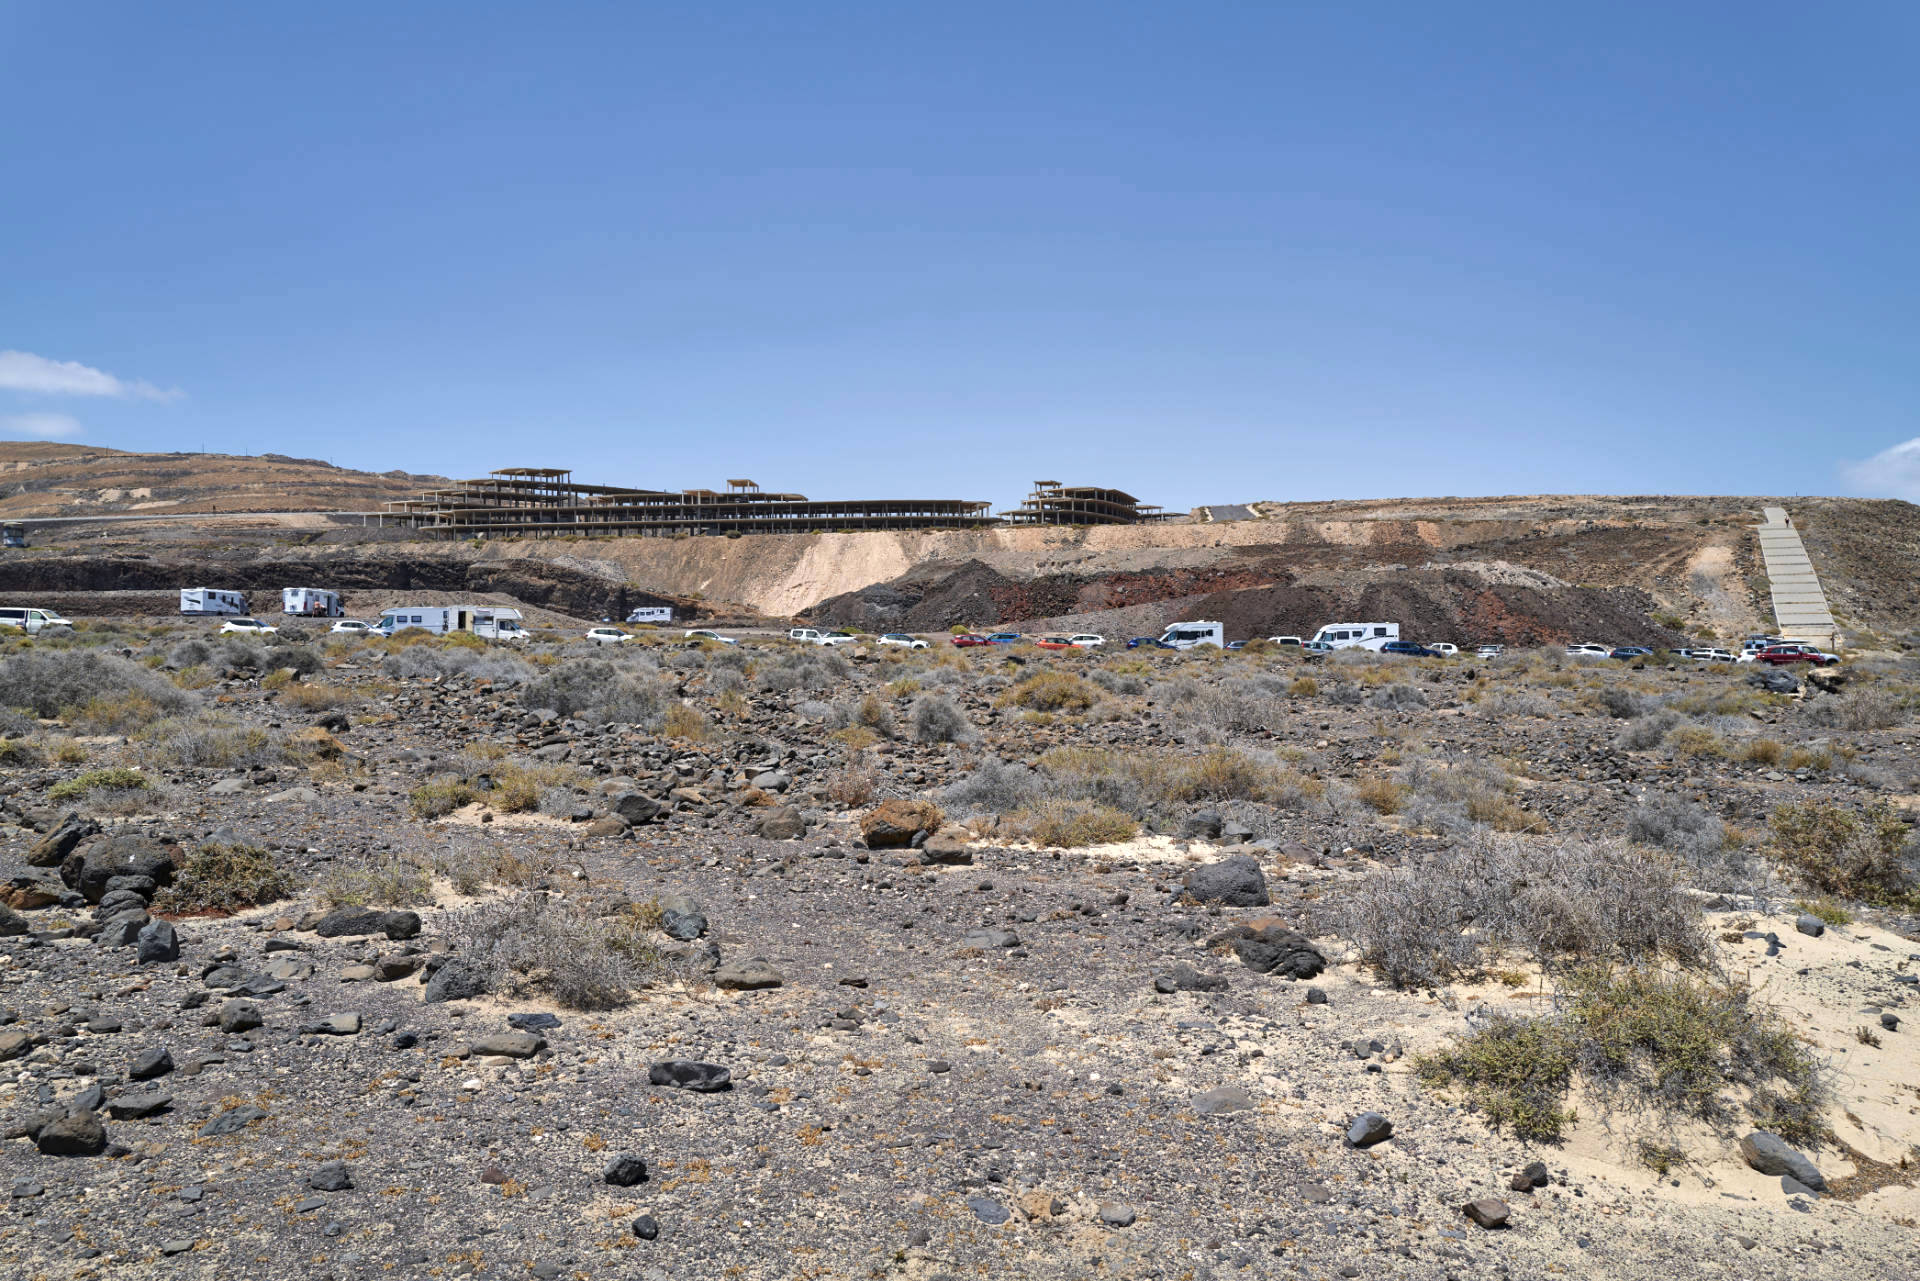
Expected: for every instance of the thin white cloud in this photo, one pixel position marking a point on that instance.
(24, 371)
(41, 426)
(1891, 473)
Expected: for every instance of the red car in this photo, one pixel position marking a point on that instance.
(1777, 655)
(967, 639)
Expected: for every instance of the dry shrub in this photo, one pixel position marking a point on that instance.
(535, 943)
(874, 715)
(1381, 794)
(102, 693)
(1303, 687)
(682, 721)
(518, 784)
(857, 784)
(440, 797)
(1864, 855)
(1074, 824)
(1433, 918)
(1695, 741)
(1860, 709)
(1050, 691)
(225, 878)
(20, 753)
(316, 698)
(385, 879)
(203, 743)
(1761, 751)
(936, 719)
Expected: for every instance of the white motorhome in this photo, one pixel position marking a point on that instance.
(310, 602)
(1357, 635)
(499, 624)
(651, 614)
(438, 619)
(1190, 635)
(211, 600)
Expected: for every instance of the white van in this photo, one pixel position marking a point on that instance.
(31, 621)
(310, 602)
(1357, 635)
(499, 624)
(211, 600)
(438, 619)
(1191, 635)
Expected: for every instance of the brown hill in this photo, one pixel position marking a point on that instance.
(45, 479)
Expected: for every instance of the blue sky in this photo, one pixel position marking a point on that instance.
(1207, 252)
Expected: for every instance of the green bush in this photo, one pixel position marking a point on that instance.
(1839, 851)
(117, 778)
(1678, 1044)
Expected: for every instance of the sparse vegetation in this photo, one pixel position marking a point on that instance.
(116, 778)
(216, 877)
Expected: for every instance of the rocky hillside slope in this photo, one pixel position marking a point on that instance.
(44, 479)
(1517, 569)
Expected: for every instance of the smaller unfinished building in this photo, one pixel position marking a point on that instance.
(1052, 503)
(547, 501)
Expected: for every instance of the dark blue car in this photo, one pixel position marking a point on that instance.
(1410, 649)
(1139, 642)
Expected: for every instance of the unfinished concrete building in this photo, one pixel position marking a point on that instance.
(547, 501)
(1052, 503)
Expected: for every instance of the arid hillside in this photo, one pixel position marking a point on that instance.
(1525, 569)
(48, 479)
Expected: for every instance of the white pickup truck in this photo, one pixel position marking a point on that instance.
(813, 636)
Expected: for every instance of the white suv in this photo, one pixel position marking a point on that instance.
(353, 627)
(607, 635)
(246, 627)
(1589, 651)
(31, 621)
(1086, 640)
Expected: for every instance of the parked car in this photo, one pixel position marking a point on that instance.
(352, 627)
(1236, 644)
(1708, 655)
(1408, 649)
(1443, 649)
(246, 627)
(1142, 642)
(1632, 651)
(607, 635)
(1489, 651)
(702, 633)
(1087, 640)
(1589, 651)
(31, 621)
(903, 641)
(1052, 641)
(1316, 649)
(1284, 640)
(1780, 655)
(1005, 638)
(967, 640)
(812, 636)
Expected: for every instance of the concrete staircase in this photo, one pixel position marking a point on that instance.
(1799, 606)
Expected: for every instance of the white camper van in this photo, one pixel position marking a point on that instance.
(211, 600)
(499, 624)
(1357, 635)
(438, 619)
(651, 614)
(310, 602)
(1190, 635)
